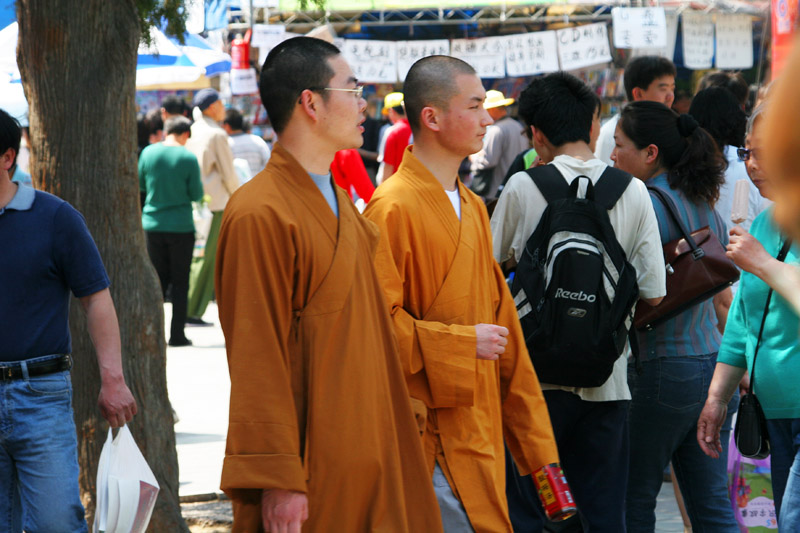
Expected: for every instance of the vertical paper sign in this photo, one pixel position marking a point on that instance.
(531, 53)
(667, 51)
(409, 52)
(583, 46)
(244, 81)
(734, 41)
(486, 55)
(698, 40)
(267, 36)
(372, 61)
(639, 27)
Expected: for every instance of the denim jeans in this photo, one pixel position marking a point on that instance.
(39, 455)
(667, 399)
(784, 438)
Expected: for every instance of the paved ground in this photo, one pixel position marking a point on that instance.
(199, 388)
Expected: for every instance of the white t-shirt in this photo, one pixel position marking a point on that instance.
(519, 210)
(455, 199)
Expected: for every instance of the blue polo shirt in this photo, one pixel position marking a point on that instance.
(693, 332)
(46, 252)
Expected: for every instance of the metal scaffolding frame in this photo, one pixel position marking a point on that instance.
(342, 21)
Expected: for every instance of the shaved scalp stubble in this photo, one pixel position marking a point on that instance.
(431, 82)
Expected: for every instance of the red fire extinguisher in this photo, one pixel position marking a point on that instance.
(240, 52)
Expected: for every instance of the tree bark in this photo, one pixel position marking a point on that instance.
(78, 64)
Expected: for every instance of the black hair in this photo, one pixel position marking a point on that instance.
(153, 121)
(399, 109)
(732, 81)
(694, 164)
(10, 133)
(177, 125)
(644, 70)
(598, 103)
(234, 119)
(718, 112)
(174, 105)
(431, 81)
(559, 105)
(292, 67)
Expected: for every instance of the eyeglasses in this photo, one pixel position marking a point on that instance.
(745, 153)
(358, 91)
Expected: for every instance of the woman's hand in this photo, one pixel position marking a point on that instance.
(747, 252)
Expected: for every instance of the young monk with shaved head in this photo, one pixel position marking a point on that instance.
(461, 344)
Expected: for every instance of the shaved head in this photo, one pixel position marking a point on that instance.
(431, 82)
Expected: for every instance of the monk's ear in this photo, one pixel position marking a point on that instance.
(309, 104)
(429, 118)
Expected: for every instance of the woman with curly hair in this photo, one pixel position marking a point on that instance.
(718, 112)
(673, 154)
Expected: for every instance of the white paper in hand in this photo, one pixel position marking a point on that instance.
(126, 487)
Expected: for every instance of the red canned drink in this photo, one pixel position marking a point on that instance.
(554, 492)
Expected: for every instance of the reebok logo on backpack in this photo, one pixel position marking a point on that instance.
(574, 288)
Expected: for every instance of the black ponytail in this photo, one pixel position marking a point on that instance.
(694, 164)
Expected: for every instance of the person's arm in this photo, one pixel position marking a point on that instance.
(224, 158)
(526, 419)
(438, 359)
(722, 304)
(647, 254)
(255, 268)
(723, 385)
(115, 401)
(750, 255)
(195, 182)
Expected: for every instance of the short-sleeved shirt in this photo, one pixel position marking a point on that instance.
(47, 252)
(398, 137)
(693, 332)
(519, 210)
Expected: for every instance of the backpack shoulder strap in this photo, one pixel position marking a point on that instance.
(550, 182)
(610, 186)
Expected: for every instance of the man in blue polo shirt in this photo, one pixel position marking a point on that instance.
(46, 252)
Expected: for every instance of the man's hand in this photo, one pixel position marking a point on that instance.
(708, 427)
(116, 403)
(491, 341)
(746, 251)
(283, 511)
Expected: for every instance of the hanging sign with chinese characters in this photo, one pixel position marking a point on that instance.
(698, 39)
(487, 55)
(639, 27)
(583, 46)
(531, 53)
(734, 41)
(409, 52)
(371, 61)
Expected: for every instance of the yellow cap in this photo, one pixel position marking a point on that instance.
(391, 100)
(496, 99)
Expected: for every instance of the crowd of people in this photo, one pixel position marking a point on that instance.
(381, 378)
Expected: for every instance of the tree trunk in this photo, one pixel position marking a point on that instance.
(78, 64)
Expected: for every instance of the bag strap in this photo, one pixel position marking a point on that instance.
(550, 182)
(781, 256)
(610, 187)
(672, 210)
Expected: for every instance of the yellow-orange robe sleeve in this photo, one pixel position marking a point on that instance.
(526, 420)
(439, 359)
(253, 287)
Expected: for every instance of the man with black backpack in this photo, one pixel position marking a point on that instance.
(585, 243)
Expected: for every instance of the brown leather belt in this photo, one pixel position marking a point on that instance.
(37, 368)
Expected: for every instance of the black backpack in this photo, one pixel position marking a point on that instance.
(574, 287)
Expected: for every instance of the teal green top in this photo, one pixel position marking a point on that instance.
(778, 367)
(170, 177)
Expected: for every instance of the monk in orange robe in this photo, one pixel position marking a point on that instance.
(461, 343)
(321, 435)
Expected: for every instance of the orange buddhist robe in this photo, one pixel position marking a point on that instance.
(440, 279)
(318, 399)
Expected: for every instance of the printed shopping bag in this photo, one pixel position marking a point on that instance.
(750, 489)
(126, 487)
